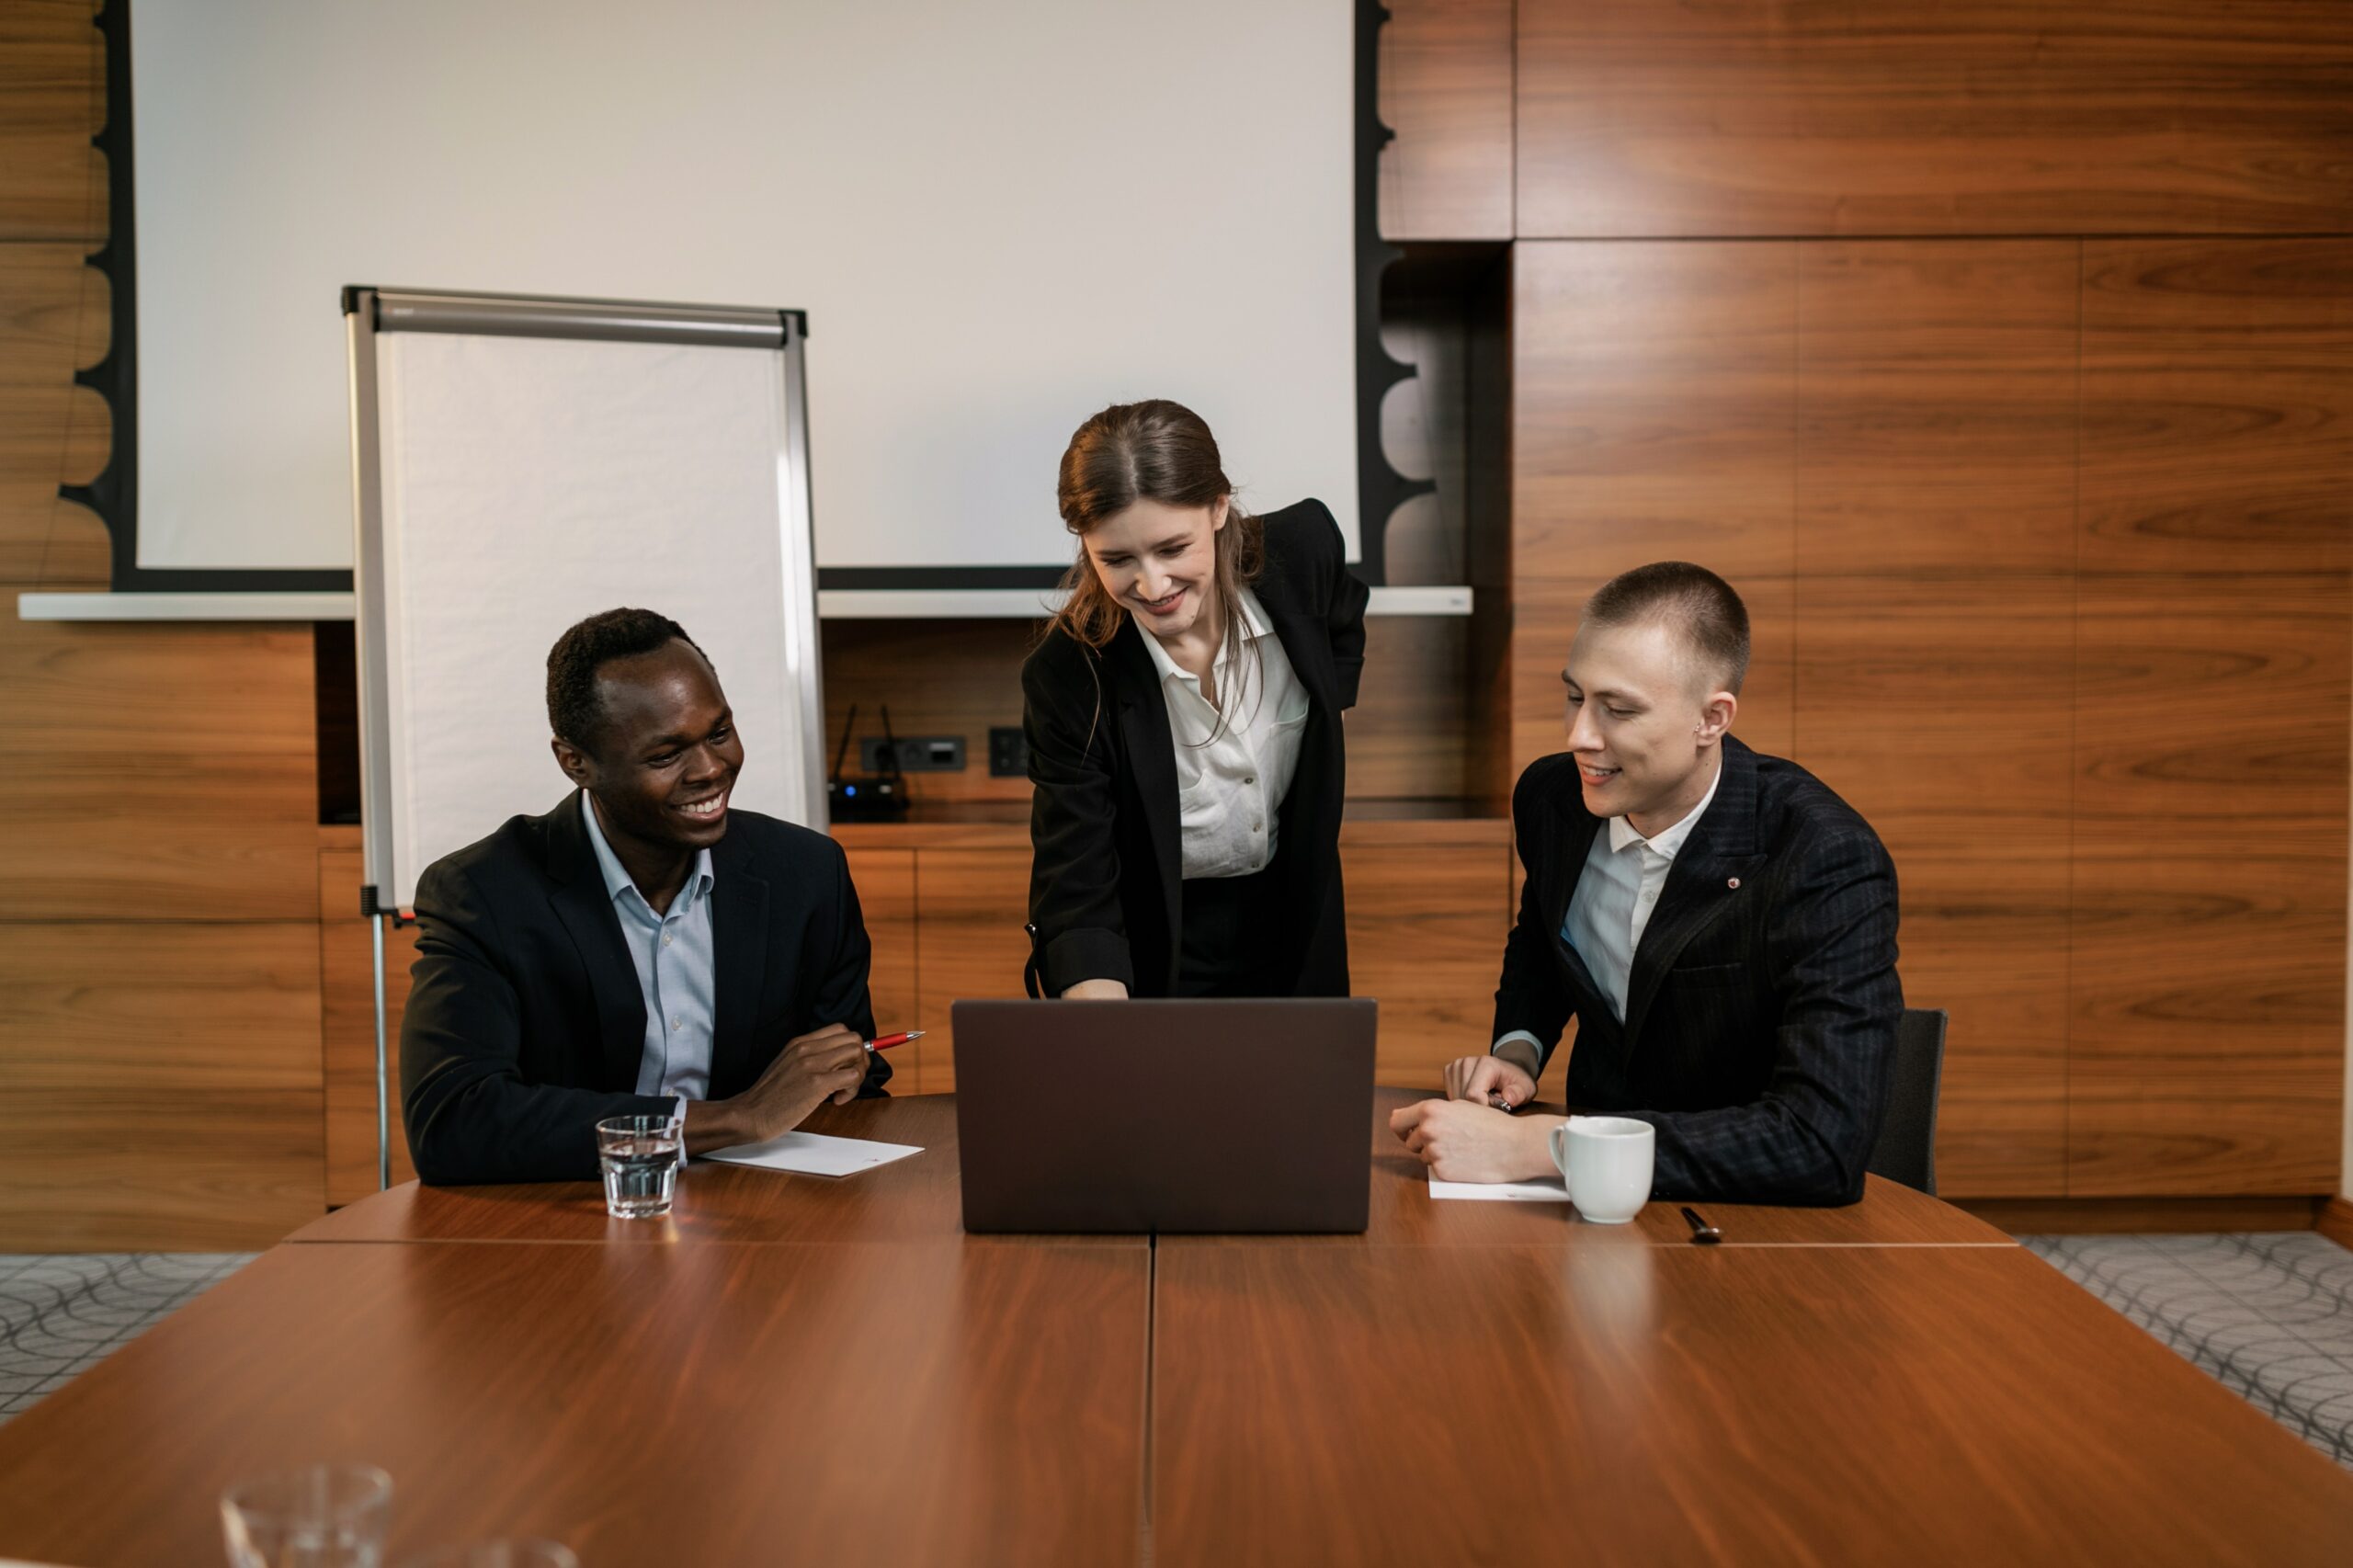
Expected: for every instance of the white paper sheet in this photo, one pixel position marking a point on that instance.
(815, 1154)
(1553, 1189)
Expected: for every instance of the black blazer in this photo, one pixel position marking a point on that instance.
(1761, 1011)
(525, 1023)
(1106, 872)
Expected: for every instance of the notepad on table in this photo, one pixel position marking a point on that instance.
(815, 1154)
(1551, 1190)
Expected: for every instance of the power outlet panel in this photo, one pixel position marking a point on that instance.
(1008, 751)
(917, 753)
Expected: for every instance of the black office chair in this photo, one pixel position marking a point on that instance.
(1906, 1151)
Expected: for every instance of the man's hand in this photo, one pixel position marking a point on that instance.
(828, 1063)
(1489, 1080)
(1097, 991)
(1464, 1140)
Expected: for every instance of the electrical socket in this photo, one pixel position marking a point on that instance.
(917, 753)
(1008, 751)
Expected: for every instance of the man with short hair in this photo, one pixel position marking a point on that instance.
(640, 950)
(1721, 925)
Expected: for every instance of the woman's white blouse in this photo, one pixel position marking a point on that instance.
(1232, 770)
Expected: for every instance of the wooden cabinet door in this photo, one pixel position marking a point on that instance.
(971, 907)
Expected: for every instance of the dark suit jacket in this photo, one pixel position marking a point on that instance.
(1760, 1019)
(524, 1022)
(1107, 867)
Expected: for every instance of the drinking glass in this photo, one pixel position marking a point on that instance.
(323, 1515)
(640, 1156)
(499, 1554)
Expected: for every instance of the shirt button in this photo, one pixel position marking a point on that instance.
(676, 1026)
(1251, 779)
(1257, 828)
(665, 938)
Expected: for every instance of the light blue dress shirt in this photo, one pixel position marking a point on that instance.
(1624, 874)
(675, 971)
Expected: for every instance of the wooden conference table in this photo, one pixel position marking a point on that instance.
(795, 1370)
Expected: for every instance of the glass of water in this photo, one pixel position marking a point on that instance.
(640, 1156)
(323, 1515)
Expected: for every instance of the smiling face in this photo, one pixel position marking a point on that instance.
(1159, 562)
(1645, 717)
(667, 752)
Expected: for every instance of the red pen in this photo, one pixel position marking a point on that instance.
(888, 1041)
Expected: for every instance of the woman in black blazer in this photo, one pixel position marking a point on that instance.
(1183, 715)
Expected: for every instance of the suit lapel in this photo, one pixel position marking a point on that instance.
(1304, 640)
(585, 909)
(739, 940)
(1572, 831)
(1152, 756)
(1721, 849)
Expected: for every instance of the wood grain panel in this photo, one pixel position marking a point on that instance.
(1936, 632)
(2213, 692)
(157, 771)
(1937, 390)
(158, 1005)
(2142, 1216)
(53, 321)
(125, 1168)
(348, 1024)
(53, 100)
(1429, 910)
(885, 879)
(1446, 90)
(1696, 1404)
(160, 1083)
(1654, 408)
(971, 907)
(2207, 1039)
(2217, 433)
(1932, 116)
(898, 1405)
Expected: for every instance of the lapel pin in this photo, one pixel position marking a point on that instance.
(1732, 882)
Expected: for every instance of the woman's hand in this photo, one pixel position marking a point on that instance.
(1097, 991)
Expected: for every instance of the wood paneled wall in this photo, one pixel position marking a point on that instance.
(160, 1081)
(2047, 543)
(2045, 533)
(1646, 118)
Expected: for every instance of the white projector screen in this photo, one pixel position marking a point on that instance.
(998, 218)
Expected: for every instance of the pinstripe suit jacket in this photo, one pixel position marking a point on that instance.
(1760, 1018)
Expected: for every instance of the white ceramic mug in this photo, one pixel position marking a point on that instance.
(1606, 1162)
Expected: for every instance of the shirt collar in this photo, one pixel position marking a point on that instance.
(617, 876)
(1253, 626)
(1669, 840)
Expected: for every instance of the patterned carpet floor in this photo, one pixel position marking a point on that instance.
(61, 1313)
(2270, 1315)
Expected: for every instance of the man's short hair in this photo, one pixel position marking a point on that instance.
(1699, 606)
(574, 709)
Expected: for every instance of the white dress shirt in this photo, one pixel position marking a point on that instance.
(1624, 873)
(1235, 760)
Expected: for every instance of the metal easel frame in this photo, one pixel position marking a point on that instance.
(369, 312)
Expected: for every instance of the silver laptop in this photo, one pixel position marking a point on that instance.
(1165, 1115)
